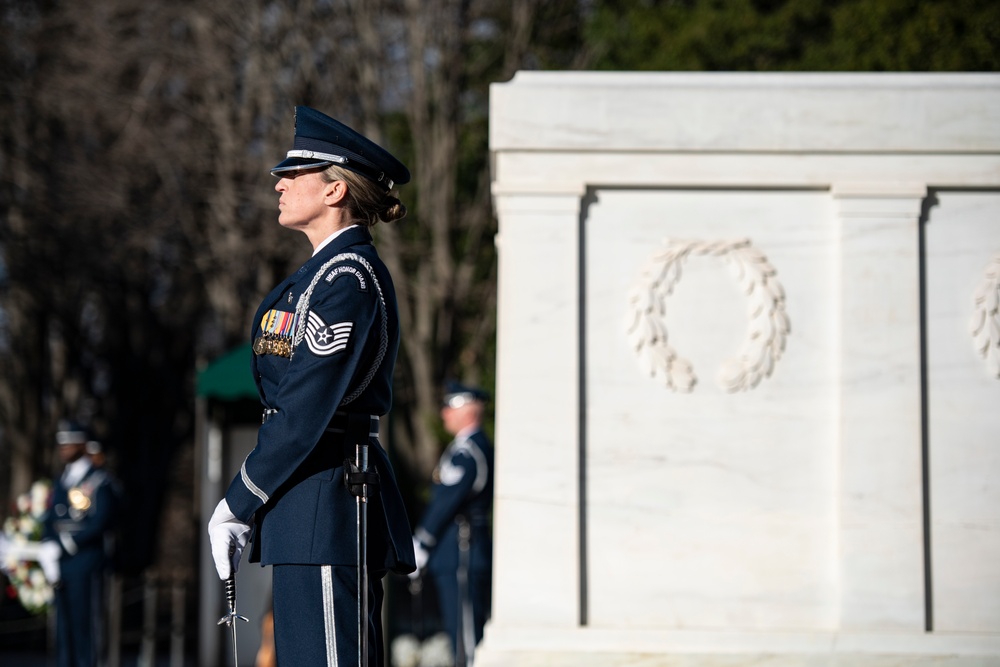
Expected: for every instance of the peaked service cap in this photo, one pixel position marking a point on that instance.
(458, 394)
(321, 141)
(71, 432)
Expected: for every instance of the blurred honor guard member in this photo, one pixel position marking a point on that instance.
(324, 347)
(81, 516)
(453, 540)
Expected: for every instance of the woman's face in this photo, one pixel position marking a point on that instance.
(302, 198)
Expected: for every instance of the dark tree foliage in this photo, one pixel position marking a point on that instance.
(138, 219)
(796, 35)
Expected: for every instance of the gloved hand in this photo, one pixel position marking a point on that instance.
(4, 542)
(420, 555)
(229, 536)
(48, 557)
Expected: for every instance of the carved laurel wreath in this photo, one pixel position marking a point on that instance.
(769, 325)
(985, 322)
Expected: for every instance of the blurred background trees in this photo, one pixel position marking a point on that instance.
(796, 35)
(138, 218)
(137, 215)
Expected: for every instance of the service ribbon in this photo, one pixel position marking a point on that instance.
(278, 322)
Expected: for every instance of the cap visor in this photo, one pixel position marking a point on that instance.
(298, 164)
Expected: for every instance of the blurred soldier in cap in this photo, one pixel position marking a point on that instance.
(96, 453)
(98, 459)
(76, 529)
(453, 541)
(324, 347)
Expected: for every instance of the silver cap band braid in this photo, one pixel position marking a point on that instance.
(310, 155)
(341, 159)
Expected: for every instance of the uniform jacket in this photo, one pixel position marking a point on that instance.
(79, 521)
(342, 352)
(463, 489)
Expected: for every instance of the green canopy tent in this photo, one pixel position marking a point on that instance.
(227, 416)
(228, 378)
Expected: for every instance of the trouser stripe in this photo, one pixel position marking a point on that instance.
(328, 616)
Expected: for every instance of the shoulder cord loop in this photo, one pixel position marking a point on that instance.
(302, 307)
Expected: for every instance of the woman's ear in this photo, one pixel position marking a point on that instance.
(334, 192)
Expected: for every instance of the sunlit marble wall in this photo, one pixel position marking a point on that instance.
(737, 335)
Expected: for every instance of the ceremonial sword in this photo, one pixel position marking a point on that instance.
(231, 616)
(361, 516)
(361, 480)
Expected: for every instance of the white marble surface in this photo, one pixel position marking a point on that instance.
(880, 494)
(962, 236)
(619, 659)
(536, 501)
(525, 645)
(781, 524)
(530, 171)
(693, 516)
(746, 112)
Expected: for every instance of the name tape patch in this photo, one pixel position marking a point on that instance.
(345, 269)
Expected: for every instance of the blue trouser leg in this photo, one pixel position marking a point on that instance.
(315, 616)
(481, 595)
(446, 587)
(64, 641)
(450, 604)
(75, 598)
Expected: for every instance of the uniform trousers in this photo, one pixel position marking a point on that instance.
(316, 616)
(79, 617)
(463, 617)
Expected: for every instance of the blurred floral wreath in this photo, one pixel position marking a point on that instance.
(27, 580)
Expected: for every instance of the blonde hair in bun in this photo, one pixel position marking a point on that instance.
(367, 201)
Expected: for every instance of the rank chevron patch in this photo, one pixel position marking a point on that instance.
(325, 339)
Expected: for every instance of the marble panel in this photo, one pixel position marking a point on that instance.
(536, 488)
(703, 504)
(775, 517)
(962, 239)
(881, 500)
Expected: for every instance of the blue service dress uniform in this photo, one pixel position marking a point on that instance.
(456, 532)
(79, 521)
(325, 343)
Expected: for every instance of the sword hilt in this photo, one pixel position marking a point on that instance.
(231, 615)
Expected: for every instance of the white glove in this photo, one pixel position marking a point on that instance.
(48, 557)
(420, 555)
(229, 536)
(4, 542)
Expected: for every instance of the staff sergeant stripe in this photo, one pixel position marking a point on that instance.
(324, 339)
(254, 489)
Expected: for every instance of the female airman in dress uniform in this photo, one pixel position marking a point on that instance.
(324, 343)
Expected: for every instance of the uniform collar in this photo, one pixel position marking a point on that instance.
(354, 235)
(76, 471)
(468, 432)
(330, 238)
(348, 237)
